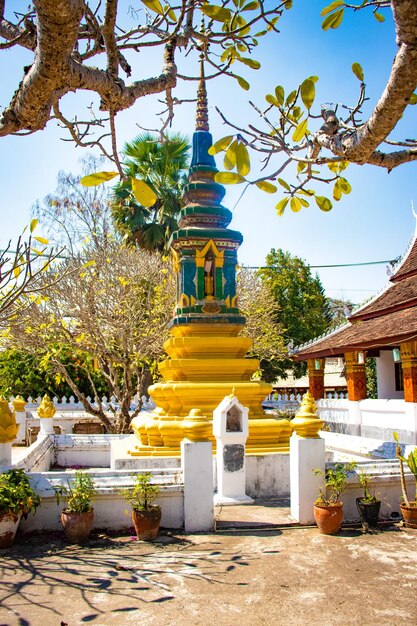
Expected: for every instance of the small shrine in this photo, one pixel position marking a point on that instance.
(206, 349)
(384, 328)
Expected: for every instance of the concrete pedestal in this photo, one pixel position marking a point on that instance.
(46, 425)
(21, 421)
(5, 456)
(197, 467)
(306, 455)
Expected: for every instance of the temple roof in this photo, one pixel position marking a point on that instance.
(384, 322)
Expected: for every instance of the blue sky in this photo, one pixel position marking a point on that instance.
(373, 223)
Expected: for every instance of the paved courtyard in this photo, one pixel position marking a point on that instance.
(291, 576)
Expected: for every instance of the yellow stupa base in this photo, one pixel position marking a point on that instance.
(207, 363)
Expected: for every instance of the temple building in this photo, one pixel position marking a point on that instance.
(385, 328)
(206, 348)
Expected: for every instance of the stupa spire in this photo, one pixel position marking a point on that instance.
(202, 106)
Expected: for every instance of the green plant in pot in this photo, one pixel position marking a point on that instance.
(78, 516)
(408, 507)
(146, 515)
(328, 508)
(17, 500)
(368, 505)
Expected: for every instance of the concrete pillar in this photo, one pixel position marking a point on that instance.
(306, 455)
(409, 367)
(316, 378)
(355, 418)
(19, 407)
(356, 375)
(46, 426)
(411, 414)
(197, 467)
(5, 456)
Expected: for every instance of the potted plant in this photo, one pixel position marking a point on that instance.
(17, 499)
(368, 505)
(408, 507)
(146, 516)
(78, 516)
(328, 509)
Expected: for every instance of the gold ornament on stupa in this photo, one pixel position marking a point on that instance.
(8, 426)
(46, 407)
(307, 423)
(19, 404)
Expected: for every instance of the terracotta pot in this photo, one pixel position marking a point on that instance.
(368, 512)
(147, 523)
(77, 526)
(409, 514)
(9, 523)
(329, 518)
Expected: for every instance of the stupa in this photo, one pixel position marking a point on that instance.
(206, 349)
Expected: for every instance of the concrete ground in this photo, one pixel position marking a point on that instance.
(251, 571)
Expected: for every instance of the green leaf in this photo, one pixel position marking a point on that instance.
(255, 65)
(304, 202)
(379, 17)
(251, 6)
(170, 13)
(323, 203)
(284, 184)
(413, 99)
(154, 5)
(230, 157)
(345, 186)
(300, 131)
(280, 94)
(143, 193)
(242, 82)
(337, 192)
(242, 159)
(307, 192)
(266, 186)
(33, 224)
(280, 207)
(42, 240)
(291, 97)
(216, 13)
(313, 78)
(334, 20)
(331, 7)
(271, 99)
(295, 205)
(228, 178)
(308, 93)
(220, 145)
(358, 71)
(92, 180)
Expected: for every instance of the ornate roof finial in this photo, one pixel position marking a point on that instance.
(202, 108)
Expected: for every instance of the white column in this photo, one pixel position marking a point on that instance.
(5, 456)
(46, 425)
(21, 421)
(197, 467)
(306, 455)
(411, 415)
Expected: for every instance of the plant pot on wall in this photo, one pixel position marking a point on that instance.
(9, 523)
(409, 514)
(368, 511)
(329, 517)
(77, 526)
(146, 523)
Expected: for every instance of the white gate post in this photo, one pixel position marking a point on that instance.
(307, 453)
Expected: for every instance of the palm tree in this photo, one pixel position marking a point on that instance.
(162, 165)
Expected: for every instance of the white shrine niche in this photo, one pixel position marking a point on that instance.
(230, 428)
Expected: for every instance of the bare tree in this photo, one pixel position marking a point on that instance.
(112, 304)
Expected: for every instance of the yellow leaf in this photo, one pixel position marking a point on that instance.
(300, 131)
(220, 145)
(92, 180)
(229, 160)
(154, 5)
(89, 263)
(323, 203)
(295, 205)
(242, 82)
(308, 92)
(143, 193)
(358, 71)
(280, 207)
(33, 225)
(228, 178)
(16, 272)
(216, 13)
(266, 186)
(42, 240)
(242, 159)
